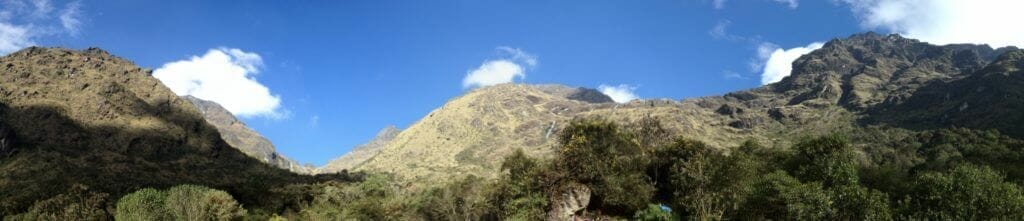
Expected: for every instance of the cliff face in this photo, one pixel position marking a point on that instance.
(240, 136)
(863, 81)
(88, 118)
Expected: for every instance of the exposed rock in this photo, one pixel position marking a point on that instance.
(729, 110)
(568, 202)
(590, 95)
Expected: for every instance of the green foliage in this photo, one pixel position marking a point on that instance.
(696, 178)
(519, 194)
(654, 212)
(183, 202)
(77, 204)
(377, 197)
(853, 202)
(778, 196)
(192, 202)
(966, 192)
(460, 200)
(145, 204)
(596, 153)
(829, 160)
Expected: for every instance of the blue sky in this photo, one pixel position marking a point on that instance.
(320, 77)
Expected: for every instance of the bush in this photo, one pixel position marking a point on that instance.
(829, 160)
(183, 202)
(145, 204)
(192, 202)
(519, 193)
(77, 204)
(778, 196)
(967, 192)
(596, 153)
(654, 212)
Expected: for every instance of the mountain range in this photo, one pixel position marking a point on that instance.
(868, 80)
(88, 119)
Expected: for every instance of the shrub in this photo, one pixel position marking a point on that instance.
(77, 204)
(192, 202)
(654, 212)
(183, 202)
(829, 160)
(145, 204)
(778, 196)
(967, 192)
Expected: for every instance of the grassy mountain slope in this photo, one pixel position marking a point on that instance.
(87, 118)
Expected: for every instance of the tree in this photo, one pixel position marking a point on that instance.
(966, 192)
(193, 202)
(778, 196)
(596, 153)
(829, 160)
(144, 204)
(79, 203)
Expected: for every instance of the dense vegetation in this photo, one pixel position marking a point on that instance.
(641, 171)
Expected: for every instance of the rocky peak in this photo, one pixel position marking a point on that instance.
(589, 95)
(868, 69)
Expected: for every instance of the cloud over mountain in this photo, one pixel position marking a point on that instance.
(225, 76)
(777, 62)
(512, 65)
(990, 22)
(620, 94)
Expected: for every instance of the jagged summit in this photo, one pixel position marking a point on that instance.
(869, 69)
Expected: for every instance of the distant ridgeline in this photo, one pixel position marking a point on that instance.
(867, 127)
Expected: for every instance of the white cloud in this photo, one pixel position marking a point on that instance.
(993, 22)
(519, 55)
(778, 62)
(620, 94)
(225, 76)
(492, 73)
(69, 18)
(13, 38)
(23, 22)
(791, 3)
(500, 71)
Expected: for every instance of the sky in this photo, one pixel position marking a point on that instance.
(320, 77)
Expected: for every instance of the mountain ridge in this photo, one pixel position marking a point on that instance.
(90, 119)
(830, 89)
